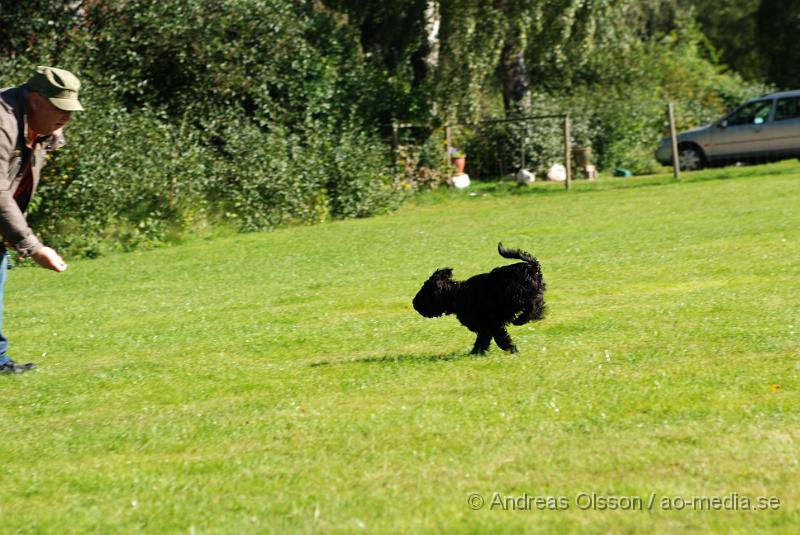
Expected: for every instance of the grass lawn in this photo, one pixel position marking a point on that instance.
(282, 383)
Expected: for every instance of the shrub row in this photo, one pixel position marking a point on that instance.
(242, 114)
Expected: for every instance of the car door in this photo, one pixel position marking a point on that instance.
(784, 135)
(742, 134)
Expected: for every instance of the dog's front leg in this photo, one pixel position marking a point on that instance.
(503, 340)
(482, 343)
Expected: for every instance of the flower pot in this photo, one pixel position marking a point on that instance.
(460, 162)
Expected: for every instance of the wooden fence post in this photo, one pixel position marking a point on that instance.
(568, 152)
(676, 162)
(394, 147)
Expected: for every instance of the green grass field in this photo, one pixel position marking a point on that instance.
(282, 383)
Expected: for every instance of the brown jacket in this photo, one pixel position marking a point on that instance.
(15, 157)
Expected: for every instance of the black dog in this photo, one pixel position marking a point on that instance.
(486, 303)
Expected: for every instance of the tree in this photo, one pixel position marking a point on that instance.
(778, 23)
(40, 30)
(732, 31)
(400, 46)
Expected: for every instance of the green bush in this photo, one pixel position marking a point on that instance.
(245, 114)
(259, 185)
(124, 179)
(359, 182)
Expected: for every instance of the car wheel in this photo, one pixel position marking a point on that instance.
(691, 158)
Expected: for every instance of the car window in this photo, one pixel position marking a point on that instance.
(787, 108)
(751, 113)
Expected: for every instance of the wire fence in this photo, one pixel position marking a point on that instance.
(499, 147)
(763, 129)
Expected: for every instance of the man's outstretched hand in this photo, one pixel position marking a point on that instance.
(48, 258)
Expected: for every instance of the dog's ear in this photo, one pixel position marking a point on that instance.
(443, 274)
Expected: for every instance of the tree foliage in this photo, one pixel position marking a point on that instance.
(778, 23)
(732, 31)
(251, 113)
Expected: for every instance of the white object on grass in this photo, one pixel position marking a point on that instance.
(557, 173)
(525, 177)
(461, 181)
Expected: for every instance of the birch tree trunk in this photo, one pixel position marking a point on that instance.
(433, 22)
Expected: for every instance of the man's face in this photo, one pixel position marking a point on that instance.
(45, 118)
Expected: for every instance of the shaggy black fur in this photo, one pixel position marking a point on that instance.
(486, 303)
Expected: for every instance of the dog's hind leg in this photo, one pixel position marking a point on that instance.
(503, 340)
(482, 343)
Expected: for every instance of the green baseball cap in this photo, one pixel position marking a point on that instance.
(59, 86)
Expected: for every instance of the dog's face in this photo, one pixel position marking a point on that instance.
(430, 301)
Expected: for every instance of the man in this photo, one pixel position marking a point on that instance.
(31, 119)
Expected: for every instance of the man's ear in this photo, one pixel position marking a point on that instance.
(35, 100)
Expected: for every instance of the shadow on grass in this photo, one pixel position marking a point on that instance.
(396, 359)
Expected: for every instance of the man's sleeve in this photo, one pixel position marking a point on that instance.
(13, 225)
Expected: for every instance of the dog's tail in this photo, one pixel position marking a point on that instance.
(517, 254)
(535, 308)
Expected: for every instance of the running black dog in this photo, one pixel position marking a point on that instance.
(486, 303)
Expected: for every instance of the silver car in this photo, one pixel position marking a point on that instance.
(762, 129)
